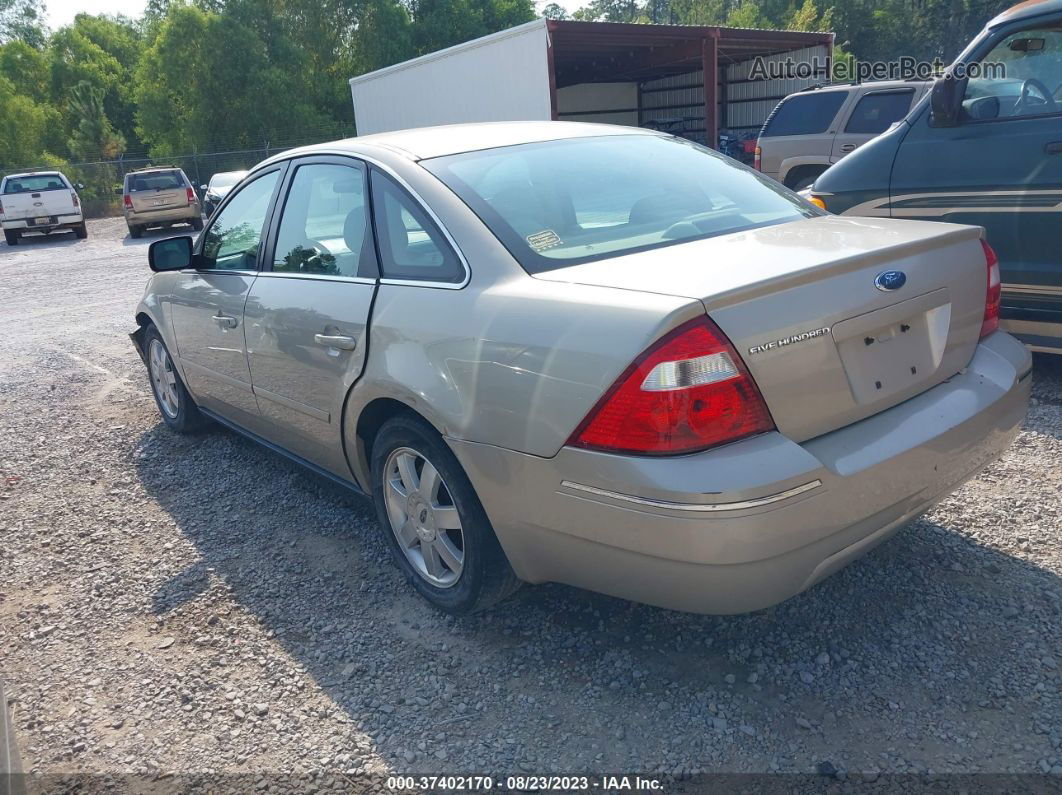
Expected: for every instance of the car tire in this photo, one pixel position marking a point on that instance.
(197, 224)
(176, 406)
(804, 182)
(11, 238)
(81, 230)
(459, 569)
(135, 231)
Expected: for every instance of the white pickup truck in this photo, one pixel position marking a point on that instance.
(40, 201)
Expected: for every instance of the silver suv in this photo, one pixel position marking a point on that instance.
(810, 130)
(159, 197)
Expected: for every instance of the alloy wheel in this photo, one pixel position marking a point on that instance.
(423, 517)
(163, 378)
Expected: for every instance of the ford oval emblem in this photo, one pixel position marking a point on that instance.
(888, 281)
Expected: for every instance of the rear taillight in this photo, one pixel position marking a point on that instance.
(191, 196)
(688, 392)
(756, 153)
(127, 200)
(1, 208)
(992, 295)
(75, 199)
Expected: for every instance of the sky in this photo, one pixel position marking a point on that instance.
(62, 12)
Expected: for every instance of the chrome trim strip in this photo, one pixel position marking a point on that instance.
(1034, 289)
(695, 507)
(317, 277)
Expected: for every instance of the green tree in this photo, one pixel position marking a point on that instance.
(212, 81)
(27, 69)
(103, 52)
(23, 20)
(553, 11)
(23, 124)
(94, 138)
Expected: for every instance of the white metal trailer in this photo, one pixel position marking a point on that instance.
(637, 75)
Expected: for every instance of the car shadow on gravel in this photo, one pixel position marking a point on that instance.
(150, 235)
(37, 242)
(933, 652)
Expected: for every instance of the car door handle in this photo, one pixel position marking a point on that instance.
(332, 341)
(848, 147)
(1053, 148)
(225, 321)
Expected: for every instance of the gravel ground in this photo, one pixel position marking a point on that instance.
(172, 604)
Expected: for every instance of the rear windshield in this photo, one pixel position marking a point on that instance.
(226, 179)
(160, 180)
(563, 202)
(35, 184)
(804, 114)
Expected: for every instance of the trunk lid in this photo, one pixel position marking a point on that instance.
(826, 346)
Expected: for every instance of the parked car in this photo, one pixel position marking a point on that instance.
(39, 201)
(985, 150)
(814, 128)
(218, 188)
(159, 197)
(675, 382)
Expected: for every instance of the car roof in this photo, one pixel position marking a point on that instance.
(426, 142)
(1030, 8)
(871, 85)
(154, 170)
(35, 174)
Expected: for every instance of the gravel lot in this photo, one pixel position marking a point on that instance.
(171, 605)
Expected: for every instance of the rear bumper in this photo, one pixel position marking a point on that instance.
(750, 524)
(169, 215)
(54, 222)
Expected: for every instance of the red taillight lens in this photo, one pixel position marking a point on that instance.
(1, 208)
(74, 199)
(756, 156)
(992, 295)
(128, 201)
(688, 392)
(191, 196)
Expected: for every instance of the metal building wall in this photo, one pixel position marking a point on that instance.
(502, 77)
(748, 102)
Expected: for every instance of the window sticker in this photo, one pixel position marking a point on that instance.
(540, 241)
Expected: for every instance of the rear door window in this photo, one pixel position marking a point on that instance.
(324, 226)
(876, 112)
(804, 114)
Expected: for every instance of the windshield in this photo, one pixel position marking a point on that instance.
(35, 184)
(563, 202)
(156, 180)
(226, 180)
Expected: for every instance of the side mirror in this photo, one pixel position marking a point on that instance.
(117, 191)
(79, 185)
(945, 101)
(202, 187)
(171, 254)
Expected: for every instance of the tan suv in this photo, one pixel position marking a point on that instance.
(812, 129)
(159, 197)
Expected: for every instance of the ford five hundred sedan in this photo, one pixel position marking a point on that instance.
(588, 354)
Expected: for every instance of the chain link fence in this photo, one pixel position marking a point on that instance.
(97, 181)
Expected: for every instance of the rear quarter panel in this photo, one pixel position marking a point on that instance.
(509, 359)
